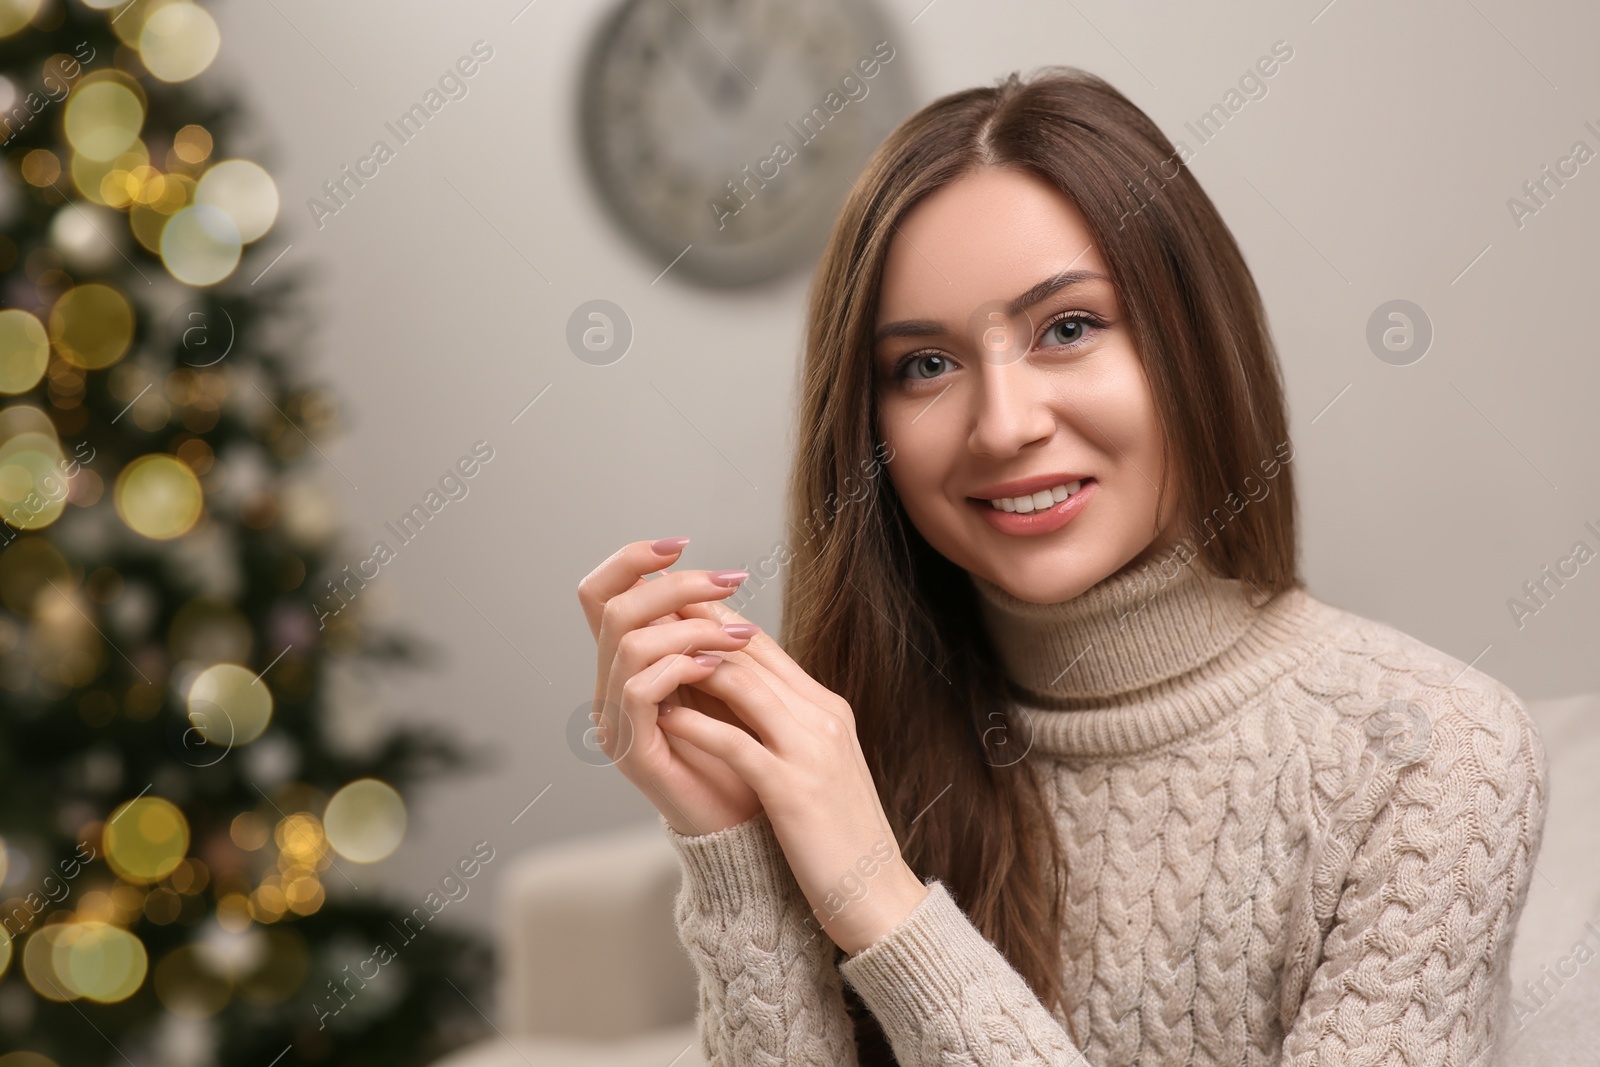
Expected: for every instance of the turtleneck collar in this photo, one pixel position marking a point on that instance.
(1141, 658)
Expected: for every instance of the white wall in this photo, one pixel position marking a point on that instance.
(1378, 166)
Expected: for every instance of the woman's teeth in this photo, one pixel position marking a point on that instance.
(1037, 501)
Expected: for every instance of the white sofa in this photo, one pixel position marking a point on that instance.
(592, 973)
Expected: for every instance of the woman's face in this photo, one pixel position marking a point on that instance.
(995, 380)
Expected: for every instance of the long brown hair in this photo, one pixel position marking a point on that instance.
(879, 617)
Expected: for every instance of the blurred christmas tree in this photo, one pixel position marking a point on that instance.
(189, 770)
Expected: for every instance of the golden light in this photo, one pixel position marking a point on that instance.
(6, 941)
(145, 839)
(201, 245)
(24, 418)
(103, 118)
(16, 14)
(100, 962)
(245, 191)
(40, 167)
(229, 705)
(24, 351)
(267, 904)
(38, 963)
(249, 831)
(301, 841)
(158, 496)
(91, 325)
(365, 821)
(33, 488)
(192, 144)
(26, 1059)
(62, 643)
(95, 177)
(233, 912)
(148, 220)
(303, 894)
(179, 41)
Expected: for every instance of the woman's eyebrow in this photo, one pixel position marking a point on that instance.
(1035, 293)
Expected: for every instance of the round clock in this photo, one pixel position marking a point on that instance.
(723, 135)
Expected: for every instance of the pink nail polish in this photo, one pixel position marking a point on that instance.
(728, 578)
(706, 660)
(668, 545)
(741, 629)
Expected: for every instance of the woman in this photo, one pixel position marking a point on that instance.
(1058, 762)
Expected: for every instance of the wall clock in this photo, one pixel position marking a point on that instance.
(733, 128)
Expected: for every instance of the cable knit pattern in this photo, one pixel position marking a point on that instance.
(1294, 837)
(766, 976)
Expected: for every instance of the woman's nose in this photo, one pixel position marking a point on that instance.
(1011, 410)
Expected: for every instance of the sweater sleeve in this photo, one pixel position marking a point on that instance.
(945, 995)
(770, 994)
(1415, 966)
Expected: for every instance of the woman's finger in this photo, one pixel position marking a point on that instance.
(629, 736)
(623, 570)
(746, 755)
(652, 600)
(742, 688)
(636, 649)
(765, 650)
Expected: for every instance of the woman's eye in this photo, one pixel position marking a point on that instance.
(930, 362)
(1069, 331)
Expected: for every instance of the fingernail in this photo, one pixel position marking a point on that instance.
(706, 660)
(668, 545)
(728, 578)
(741, 629)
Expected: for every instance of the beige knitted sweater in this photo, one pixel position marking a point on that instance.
(1294, 836)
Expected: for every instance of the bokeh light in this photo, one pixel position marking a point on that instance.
(201, 245)
(15, 14)
(26, 1059)
(24, 351)
(99, 961)
(158, 496)
(365, 821)
(103, 118)
(245, 191)
(192, 144)
(91, 325)
(179, 41)
(39, 963)
(145, 839)
(33, 487)
(97, 177)
(228, 705)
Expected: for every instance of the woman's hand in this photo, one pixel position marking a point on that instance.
(805, 764)
(647, 654)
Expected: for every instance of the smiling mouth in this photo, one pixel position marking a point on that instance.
(1037, 501)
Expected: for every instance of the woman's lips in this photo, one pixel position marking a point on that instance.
(1042, 521)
